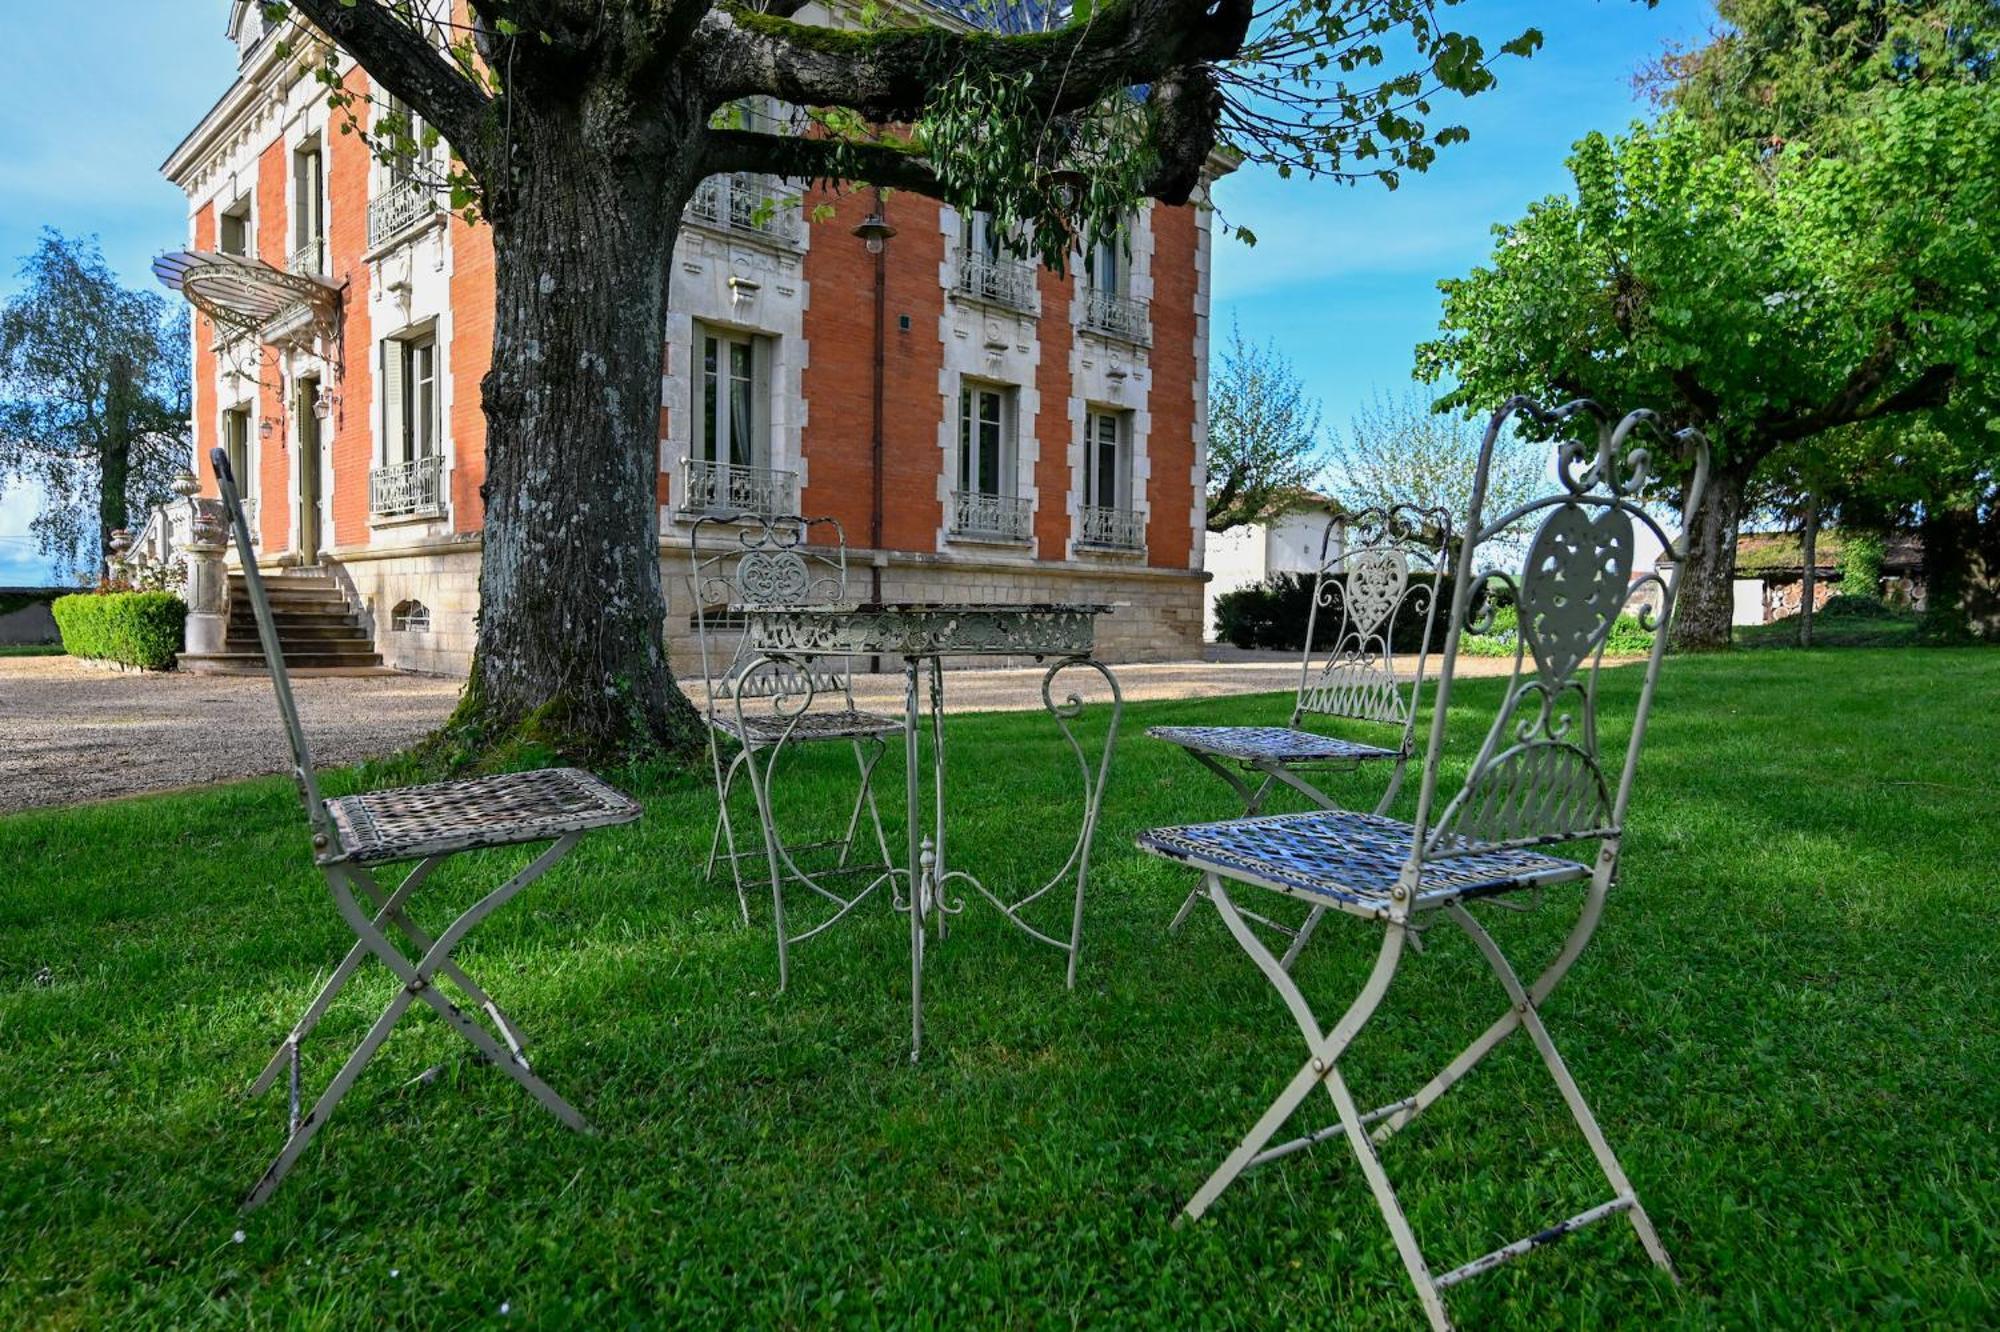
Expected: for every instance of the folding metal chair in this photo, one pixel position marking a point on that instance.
(1363, 585)
(1536, 782)
(740, 562)
(351, 835)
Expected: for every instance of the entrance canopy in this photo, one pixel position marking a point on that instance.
(245, 294)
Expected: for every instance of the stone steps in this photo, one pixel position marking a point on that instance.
(317, 631)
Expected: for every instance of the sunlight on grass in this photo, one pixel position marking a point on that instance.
(1788, 1025)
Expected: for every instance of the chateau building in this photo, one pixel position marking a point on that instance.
(1040, 437)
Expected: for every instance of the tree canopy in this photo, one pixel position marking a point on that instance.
(1264, 442)
(93, 398)
(1397, 450)
(581, 128)
(1766, 299)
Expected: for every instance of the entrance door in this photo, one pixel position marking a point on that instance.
(309, 471)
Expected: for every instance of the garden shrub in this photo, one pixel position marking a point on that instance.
(136, 628)
(1273, 613)
(1861, 566)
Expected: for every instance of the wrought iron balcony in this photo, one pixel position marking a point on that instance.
(407, 489)
(754, 205)
(1007, 282)
(993, 517)
(1117, 316)
(309, 259)
(720, 487)
(405, 204)
(1113, 529)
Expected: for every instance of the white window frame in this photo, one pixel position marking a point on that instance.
(1110, 253)
(1119, 419)
(243, 210)
(974, 395)
(721, 445)
(242, 454)
(309, 201)
(412, 429)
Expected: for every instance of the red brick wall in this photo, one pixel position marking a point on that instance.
(838, 379)
(206, 431)
(351, 436)
(471, 353)
(1053, 428)
(1170, 394)
(274, 476)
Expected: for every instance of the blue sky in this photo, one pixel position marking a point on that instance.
(1344, 279)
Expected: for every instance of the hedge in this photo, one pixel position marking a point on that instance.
(1272, 614)
(136, 628)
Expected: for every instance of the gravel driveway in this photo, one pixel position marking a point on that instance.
(71, 733)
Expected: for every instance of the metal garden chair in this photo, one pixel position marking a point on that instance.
(1362, 590)
(1537, 782)
(351, 835)
(742, 561)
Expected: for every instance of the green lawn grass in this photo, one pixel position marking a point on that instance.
(1844, 622)
(1788, 1025)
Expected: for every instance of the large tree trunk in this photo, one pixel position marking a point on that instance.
(114, 457)
(571, 622)
(1707, 598)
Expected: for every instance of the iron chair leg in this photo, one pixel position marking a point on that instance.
(418, 984)
(724, 837)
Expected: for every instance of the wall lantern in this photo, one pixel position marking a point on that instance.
(874, 232)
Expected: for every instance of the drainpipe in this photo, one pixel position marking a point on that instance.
(875, 438)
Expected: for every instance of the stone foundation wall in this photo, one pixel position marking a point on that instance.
(1156, 615)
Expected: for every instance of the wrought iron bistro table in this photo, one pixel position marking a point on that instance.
(923, 635)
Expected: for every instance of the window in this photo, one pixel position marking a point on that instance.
(1106, 459)
(415, 164)
(1104, 265)
(732, 409)
(984, 417)
(233, 233)
(410, 617)
(236, 446)
(983, 237)
(309, 210)
(409, 398)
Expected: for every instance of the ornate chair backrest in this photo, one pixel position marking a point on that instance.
(1377, 569)
(325, 840)
(1539, 778)
(747, 560)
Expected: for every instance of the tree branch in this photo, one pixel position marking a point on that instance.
(1932, 387)
(820, 159)
(886, 76)
(404, 62)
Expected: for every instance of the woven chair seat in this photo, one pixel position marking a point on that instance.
(1268, 744)
(410, 822)
(768, 729)
(1351, 860)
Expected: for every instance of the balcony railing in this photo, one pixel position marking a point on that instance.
(402, 206)
(309, 258)
(1117, 316)
(994, 517)
(720, 487)
(1002, 281)
(407, 489)
(1114, 529)
(755, 205)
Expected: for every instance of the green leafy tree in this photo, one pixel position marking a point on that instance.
(1264, 442)
(1397, 450)
(1768, 300)
(93, 398)
(1780, 71)
(581, 128)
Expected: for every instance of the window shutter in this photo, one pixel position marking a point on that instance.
(392, 400)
